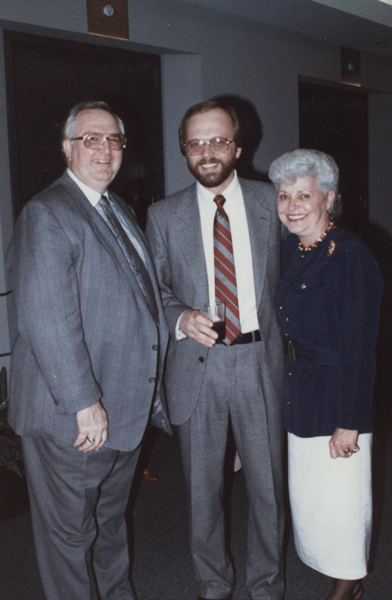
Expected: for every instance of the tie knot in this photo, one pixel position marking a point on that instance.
(103, 201)
(219, 200)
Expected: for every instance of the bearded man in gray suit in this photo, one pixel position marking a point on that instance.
(87, 361)
(210, 382)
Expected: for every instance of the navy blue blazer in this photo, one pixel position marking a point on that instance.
(328, 303)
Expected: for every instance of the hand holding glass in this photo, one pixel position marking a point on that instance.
(217, 313)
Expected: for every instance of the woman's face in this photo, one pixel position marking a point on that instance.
(303, 208)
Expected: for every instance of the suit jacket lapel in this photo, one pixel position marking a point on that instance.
(259, 221)
(133, 226)
(136, 231)
(132, 223)
(186, 220)
(100, 228)
(187, 223)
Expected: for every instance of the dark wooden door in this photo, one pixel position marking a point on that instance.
(335, 121)
(46, 77)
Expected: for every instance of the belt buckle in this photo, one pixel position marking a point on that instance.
(242, 338)
(291, 351)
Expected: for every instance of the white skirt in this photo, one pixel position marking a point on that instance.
(331, 505)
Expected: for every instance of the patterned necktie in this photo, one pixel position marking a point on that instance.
(134, 259)
(225, 279)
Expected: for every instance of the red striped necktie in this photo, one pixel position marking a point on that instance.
(225, 279)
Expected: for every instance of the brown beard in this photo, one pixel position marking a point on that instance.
(212, 180)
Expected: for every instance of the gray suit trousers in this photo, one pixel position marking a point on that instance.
(232, 389)
(78, 503)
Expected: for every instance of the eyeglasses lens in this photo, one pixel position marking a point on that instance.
(195, 147)
(95, 141)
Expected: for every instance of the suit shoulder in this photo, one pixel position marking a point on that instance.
(171, 202)
(62, 202)
(48, 199)
(263, 186)
(259, 188)
(346, 241)
(55, 192)
(349, 253)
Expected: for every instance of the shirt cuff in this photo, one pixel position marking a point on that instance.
(180, 335)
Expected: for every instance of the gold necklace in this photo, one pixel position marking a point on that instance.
(317, 242)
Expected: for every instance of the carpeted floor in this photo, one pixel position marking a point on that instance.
(162, 567)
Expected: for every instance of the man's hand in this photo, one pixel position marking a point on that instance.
(198, 327)
(93, 428)
(343, 443)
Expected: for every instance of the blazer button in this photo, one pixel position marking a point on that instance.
(155, 347)
(289, 373)
(151, 380)
(288, 402)
(201, 359)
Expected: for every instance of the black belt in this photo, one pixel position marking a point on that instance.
(244, 338)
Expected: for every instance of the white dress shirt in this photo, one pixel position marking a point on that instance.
(235, 209)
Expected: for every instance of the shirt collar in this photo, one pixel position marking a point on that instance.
(92, 195)
(207, 197)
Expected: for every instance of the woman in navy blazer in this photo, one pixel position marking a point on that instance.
(327, 306)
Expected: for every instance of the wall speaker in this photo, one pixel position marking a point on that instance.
(350, 66)
(108, 18)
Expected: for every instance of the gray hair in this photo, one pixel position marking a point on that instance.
(67, 131)
(300, 163)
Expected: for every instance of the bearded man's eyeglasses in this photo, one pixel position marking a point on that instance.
(94, 141)
(195, 147)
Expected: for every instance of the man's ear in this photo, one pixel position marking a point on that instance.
(67, 149)
(238, 152)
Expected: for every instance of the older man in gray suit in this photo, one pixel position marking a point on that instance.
(220, 238)
(87, 361)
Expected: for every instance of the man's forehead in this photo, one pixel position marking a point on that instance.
(96, 119)
(216, 117)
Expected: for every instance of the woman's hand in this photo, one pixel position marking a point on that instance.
(343, 443)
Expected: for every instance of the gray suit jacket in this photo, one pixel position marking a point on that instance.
(174, 234)
(84, 329)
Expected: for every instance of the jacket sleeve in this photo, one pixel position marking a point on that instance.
(357, 291)
(41, 265)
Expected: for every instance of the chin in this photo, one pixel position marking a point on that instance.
(210, 183)
(293, 227)
(208, 179)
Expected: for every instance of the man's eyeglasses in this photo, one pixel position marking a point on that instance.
(94, 141)
(195, 147)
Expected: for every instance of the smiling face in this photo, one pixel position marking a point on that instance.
(212, 169)
(95, 168)
(303, 208)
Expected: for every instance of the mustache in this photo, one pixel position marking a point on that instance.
(209, 161)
